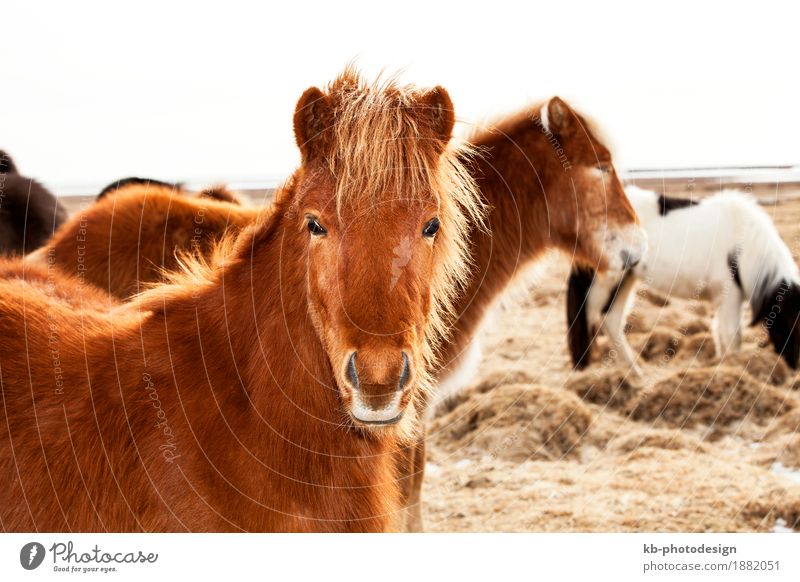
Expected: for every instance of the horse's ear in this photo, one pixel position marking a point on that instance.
(561, 117)
(436, 109)
(313, 119)
(6, 164)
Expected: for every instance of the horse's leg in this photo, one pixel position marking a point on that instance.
(727, 323)
(415, 523)
(412, 471)
(614, 323)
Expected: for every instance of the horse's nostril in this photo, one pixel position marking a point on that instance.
(372, 376)
(351, 372)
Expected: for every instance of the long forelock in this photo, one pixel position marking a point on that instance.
(379, 149)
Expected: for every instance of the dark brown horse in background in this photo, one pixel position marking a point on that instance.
(29, 213)
(271, 390)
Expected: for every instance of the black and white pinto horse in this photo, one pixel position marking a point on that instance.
(724, 249)
(29, 213)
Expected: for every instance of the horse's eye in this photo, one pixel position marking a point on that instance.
(605, 168)
(431, 228)
(314, 227)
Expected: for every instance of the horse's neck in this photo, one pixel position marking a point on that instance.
(517, 229)
(276, 352)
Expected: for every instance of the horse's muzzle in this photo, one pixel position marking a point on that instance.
(377, 400)
(625, 247)
(629, 259)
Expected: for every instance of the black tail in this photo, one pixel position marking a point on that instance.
(134, 180)
(7, 164)
(579, 336)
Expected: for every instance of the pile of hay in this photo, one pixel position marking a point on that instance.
(710, 397)
(661, 344)
(699, 346)
(514, 422)
(483, 385)
(763, 364)
(613, 387)
(670, 439)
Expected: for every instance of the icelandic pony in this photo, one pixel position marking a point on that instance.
(29, 213)
(723, 248)
(550, 184)
(138, 229)
(269, 390)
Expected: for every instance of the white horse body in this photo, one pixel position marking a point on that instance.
(723, 248)
(689, 247)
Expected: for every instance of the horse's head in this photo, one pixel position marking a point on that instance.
(7, 164)
(780, 313)
(598, 220)
(383, 203)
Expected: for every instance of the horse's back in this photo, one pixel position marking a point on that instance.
(51, 422)
(43, 327)
(129, 239)
(688, 244)
(89, 426)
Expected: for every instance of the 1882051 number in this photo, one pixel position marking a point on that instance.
(762, 565)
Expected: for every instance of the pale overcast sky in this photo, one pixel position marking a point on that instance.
(91, 91)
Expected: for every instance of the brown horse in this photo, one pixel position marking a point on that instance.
(545, 173)
(550, 183)
(269, 390)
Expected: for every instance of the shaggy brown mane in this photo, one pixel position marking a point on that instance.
(380, 150)
(197, 271)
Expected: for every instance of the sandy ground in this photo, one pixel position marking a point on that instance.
(701, 445)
